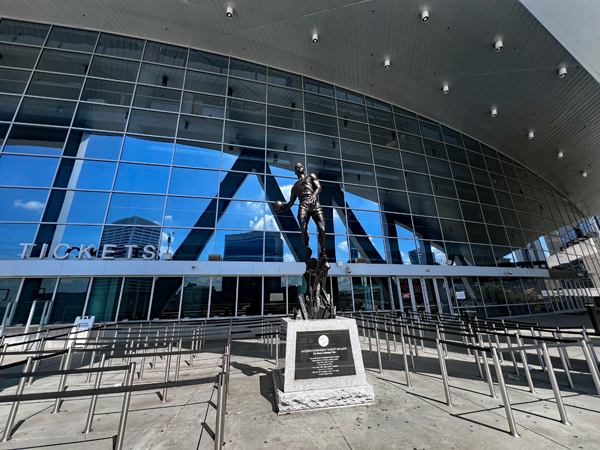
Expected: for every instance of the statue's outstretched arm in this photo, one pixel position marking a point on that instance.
(289, 204)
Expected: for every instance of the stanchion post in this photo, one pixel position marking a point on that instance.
(125, 410)
(90, 418)
(559, 403)
(63, 379)
(378, 346)
(404, 358)
(15, 406)
(593, 368)
(443, 371)
(167, 370)
(509, 414)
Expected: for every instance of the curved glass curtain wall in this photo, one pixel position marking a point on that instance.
(111, 139)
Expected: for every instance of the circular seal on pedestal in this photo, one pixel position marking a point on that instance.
(323, 341)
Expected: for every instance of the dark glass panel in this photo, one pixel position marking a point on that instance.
(356, 131)
(358, 174)
(64, 62)
(492, 215)
(351, 111)
(355, 151)
(497, 235)
(394, 201)
(483, 256)
(120, 46)
(439, 167)
(149, 122)
(208, 62)
(244, 134)
(8, 106)
(486, 195)
(205, 82)
(124, 207)
(351, 96)
(380, 118)
(203, 105)
(427, 227)
(476, 160)
(342, 293)
(13, 81)
(285, 97)
(288, 141)
(200, 128)
(319, 104)
(69, 300)
(27, 171)
(431, 131)
(57, 86)
(322, 146)
(35, 140)
(114, 69)
(246, 111)
(358, 197)
(46, 111)
(404, 124)
(166, 298)
(481, 177)
(101, 117)
(488, 151)
(443, 187)
(325, 169)
(526, 221)
(247, 90)
(456, 154)
(317, 123)
(318, 87)
(104, 298)
(418, 183)
(387, 157)
(381, 293)
(453, 230)
(247, 70)
(515, 237)
(23, 32)
(71, 39)
(112, 92)
(451, 136)
(415, 163)
(165, 54)
(410, 143)
(509, 170)
(33, 288)
(223, 295)
(384, 137)
(162, 76)
(250, 303)
(157, 98)
(433, 148)
(285, 118)
(378, 104)
(196, 291)
(471, 144)
(461, 173)
(3, 132)
(19, 57)
(197, 154)
(136, 298)
(520, 203)
(477, 233)
(422, 205)
(22, 205)
(243, 159)
(448, 208)
(493, 165)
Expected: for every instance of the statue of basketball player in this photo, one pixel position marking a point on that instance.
(307, 189)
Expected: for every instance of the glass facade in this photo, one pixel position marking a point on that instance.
(108, 139)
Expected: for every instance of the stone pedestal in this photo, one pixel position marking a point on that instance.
(323, 366)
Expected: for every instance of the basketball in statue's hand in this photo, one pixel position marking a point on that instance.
(278, 207)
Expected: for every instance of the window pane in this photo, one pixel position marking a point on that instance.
(359, 174)
(112, 92)
(200, 128)
(243, 134)
(187, 212)
(97, 175)
(318, 87)
(247, 90)
(284, 97)
(101, 117)
(288, 141)
(322, 146)
(285, 118)
(166, 298)
(35, 140)
(86, 144)
(245, 111)
(223, 294)
(355, 131)
(285, 79)
(121, 46)
(422, 205)
(23, 32)
(351, 111)
(85, 207)
(26, 205)
(46, 111)
(250, 303)
(203, 105)
(418, 183)
(387, 157)
(161, 76)
(275, 294)
(248, 70)
(149, 150)
(205, 82)
(380, 118)
(157, 98)
(165, 54)
(69, 300)
(128, 206)
(64, 62)
(355, 151)
(104, 298)
(20, 57)
(27, 171)
(13, 81)
(202, 183)
(319, 104)
(195, 297)
(149, 122)
(197, 154)
(142, 178)
(136, 298)
(40, 287)
(208, 62)
(114, 69)
(70, 39)
(58, 86)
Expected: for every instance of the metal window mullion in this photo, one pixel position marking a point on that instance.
(120, 298)
(209, 296)
(45, 319)
(181, 297)
(11, 315)
(87, 296)
(151, 298)
(237, 290)
(437, 295)
(413, 301)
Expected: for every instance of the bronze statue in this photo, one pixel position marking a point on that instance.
(315, 303)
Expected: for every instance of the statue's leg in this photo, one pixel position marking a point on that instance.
(319, 219)
(303, 221)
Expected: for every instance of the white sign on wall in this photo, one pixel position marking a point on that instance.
(460, 295)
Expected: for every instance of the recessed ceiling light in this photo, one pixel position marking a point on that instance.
(386, 64)
(584, 174)
(562, 72)
(315, 38)
(560, 155)
(445, 89)
(530, 136)
(498, 46)
(229, 12)
(425, 16)
(494, 112)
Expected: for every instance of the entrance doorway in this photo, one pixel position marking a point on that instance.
(422, 294)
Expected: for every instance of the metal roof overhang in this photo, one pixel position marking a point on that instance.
(455, 47)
